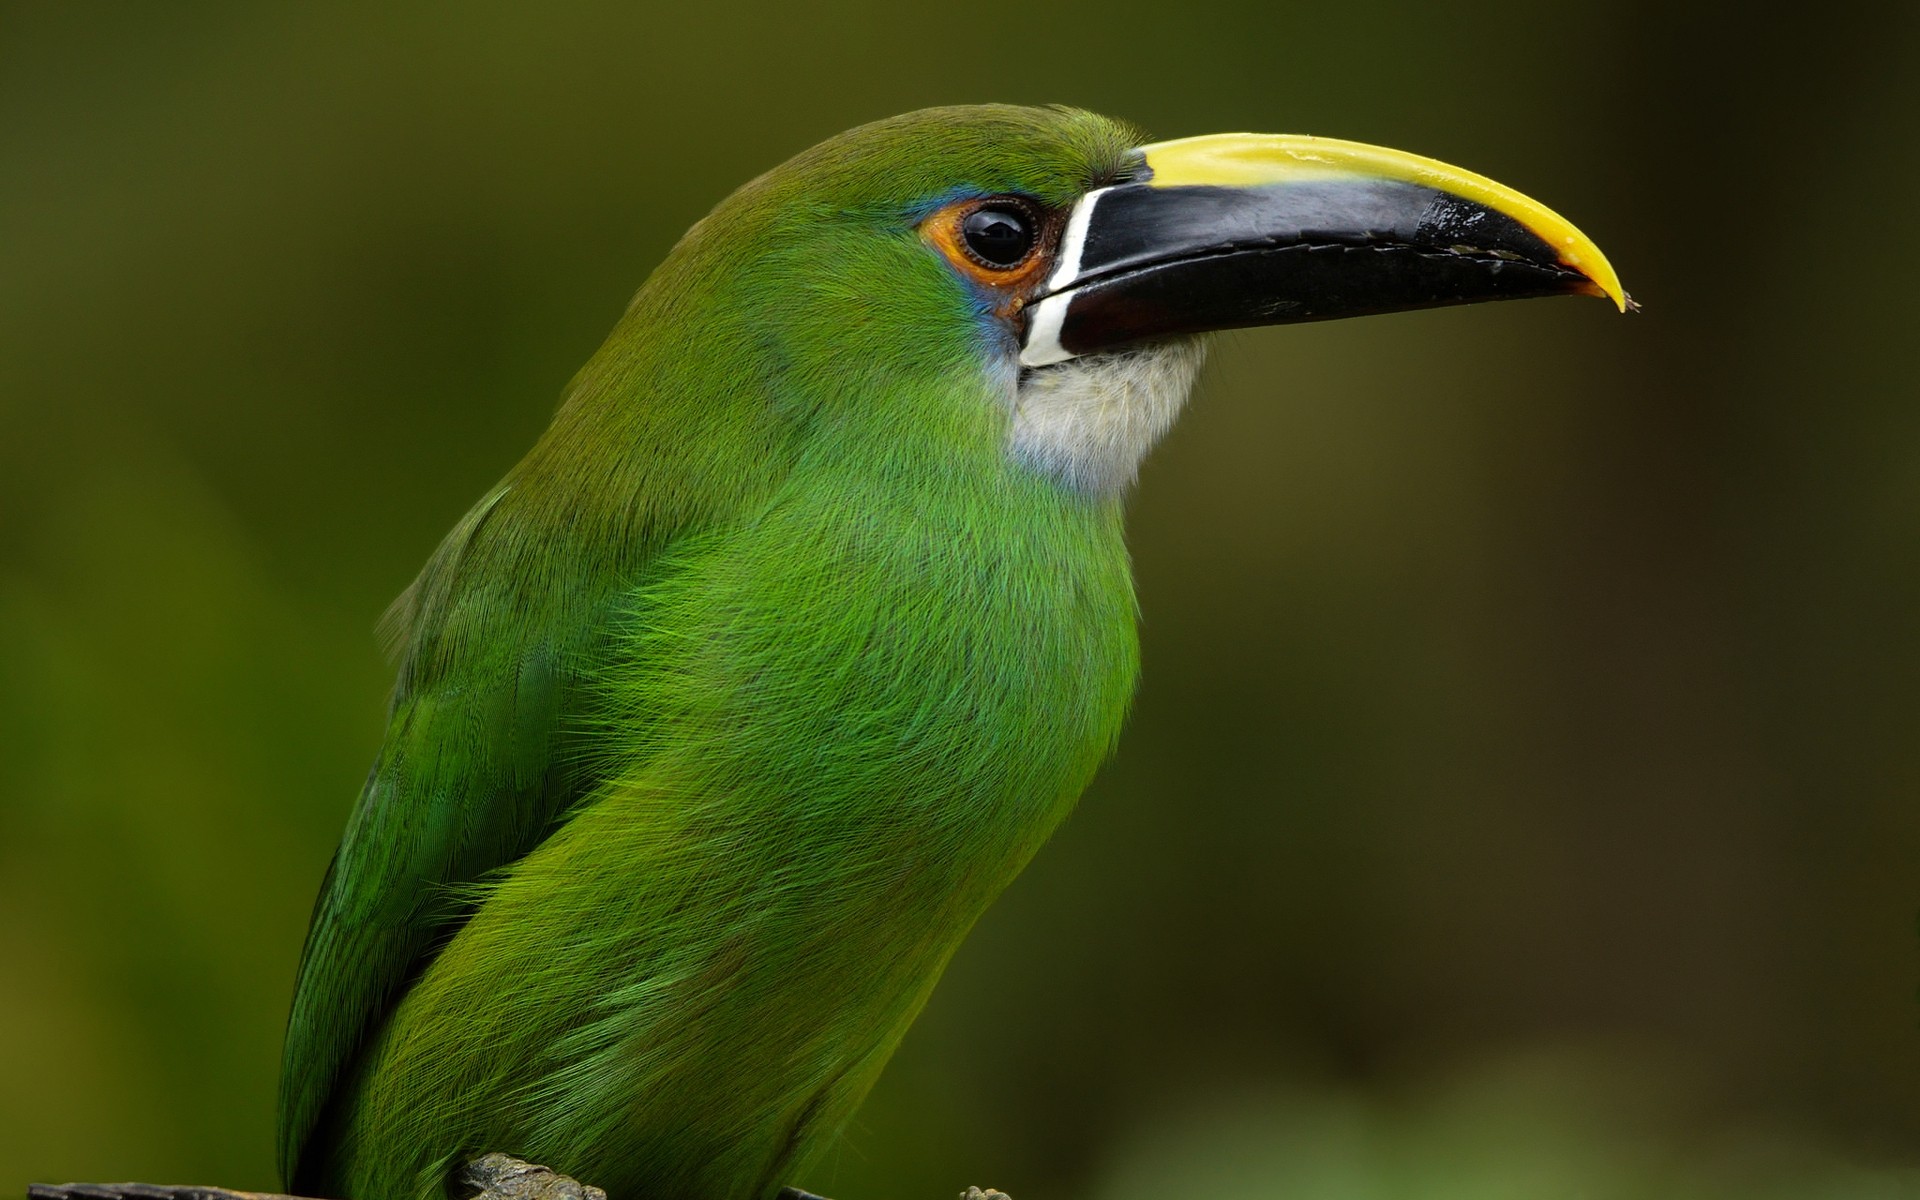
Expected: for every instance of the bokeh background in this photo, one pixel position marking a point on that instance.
(1523, 797)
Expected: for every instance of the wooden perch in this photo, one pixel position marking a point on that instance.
(141, 1191)
(490, 1177)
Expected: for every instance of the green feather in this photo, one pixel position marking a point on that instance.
(723, 718)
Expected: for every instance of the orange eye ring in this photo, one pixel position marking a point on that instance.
(946, 230)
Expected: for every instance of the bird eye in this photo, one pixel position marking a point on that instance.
(998, 235)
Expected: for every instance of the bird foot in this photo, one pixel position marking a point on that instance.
(503, 1177)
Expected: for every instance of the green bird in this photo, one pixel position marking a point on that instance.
(724, 716)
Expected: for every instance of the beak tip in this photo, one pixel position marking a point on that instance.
(1605, 284)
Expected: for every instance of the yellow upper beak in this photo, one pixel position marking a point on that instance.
(1260, 159)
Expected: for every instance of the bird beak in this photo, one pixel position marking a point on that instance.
(1241, 229)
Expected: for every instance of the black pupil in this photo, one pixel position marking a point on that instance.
(998, 235)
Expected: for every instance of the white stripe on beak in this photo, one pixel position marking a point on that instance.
(1044, 319)
(1074, 242)
(1042, 347)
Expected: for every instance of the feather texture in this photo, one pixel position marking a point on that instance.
(722, 719)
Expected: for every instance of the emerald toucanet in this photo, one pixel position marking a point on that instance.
(722, 718)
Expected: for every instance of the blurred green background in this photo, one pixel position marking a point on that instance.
(1523, 798)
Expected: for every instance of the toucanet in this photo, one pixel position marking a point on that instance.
(721, 719)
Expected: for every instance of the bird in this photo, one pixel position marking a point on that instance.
(720, 720)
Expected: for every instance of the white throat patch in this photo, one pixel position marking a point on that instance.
(1089, 421)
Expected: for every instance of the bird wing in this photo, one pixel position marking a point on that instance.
(482, 759)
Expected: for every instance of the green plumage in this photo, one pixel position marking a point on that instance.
(721, 720)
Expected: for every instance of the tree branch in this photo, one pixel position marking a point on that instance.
(490, 1177)
(141, 1191)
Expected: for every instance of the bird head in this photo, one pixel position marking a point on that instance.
(1036, 283)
